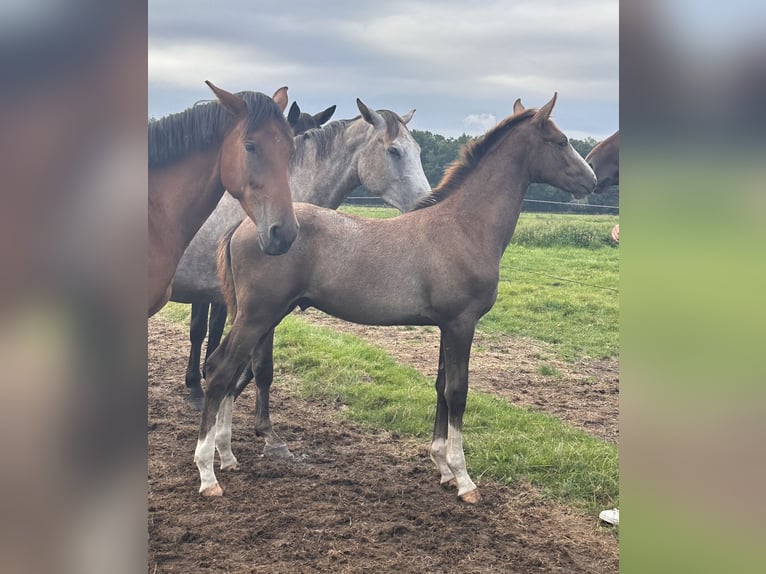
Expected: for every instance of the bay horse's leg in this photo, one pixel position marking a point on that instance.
(223, 434)
(224, 366)
(457, 339)
(197, 330)
(263, 367)
(439, 442)
(218, 313)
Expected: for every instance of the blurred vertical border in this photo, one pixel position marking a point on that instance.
(73, 109)
(693, 314)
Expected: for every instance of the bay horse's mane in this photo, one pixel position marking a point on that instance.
(205, 124)
(470, 155)
(327, 136)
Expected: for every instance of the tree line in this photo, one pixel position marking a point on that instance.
(438, 152)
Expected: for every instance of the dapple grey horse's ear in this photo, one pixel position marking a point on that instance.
(280, 98)
(408, 116)
(544, 113)
(370, 116)
(294, 113)
(518, 107)
(322, 117)
(231, 102)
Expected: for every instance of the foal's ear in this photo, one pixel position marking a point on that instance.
(370, 116)
(518, 107)
(280, 98)
(231, 102)
(544, 113)
(322, 117)
(293, 114)
(408, 116)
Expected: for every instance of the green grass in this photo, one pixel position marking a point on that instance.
(502, 442)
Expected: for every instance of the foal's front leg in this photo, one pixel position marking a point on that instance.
(263, 370)
(225, 364)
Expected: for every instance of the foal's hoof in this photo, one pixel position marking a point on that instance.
(471, 497)
(277, 451)
(195, 398)
(214, 490)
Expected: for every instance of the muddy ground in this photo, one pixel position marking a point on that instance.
(357, 500)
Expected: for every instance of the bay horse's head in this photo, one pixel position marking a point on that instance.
(389, 164)
(552, 158)
(254, 163)
(604, 160)
(301, 122)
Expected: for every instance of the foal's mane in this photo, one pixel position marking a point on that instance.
(205, 124)
(470, 155)
(333, 133)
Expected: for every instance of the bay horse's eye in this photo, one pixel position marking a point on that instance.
(394, 151)
(249, 147)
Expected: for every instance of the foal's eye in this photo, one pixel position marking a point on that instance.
(394, 151)
(249, 147)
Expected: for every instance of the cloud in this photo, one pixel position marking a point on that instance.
(477, 124)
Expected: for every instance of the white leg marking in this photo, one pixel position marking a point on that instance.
(223, 434)
(203, 456)
(439, 456)
(456, 461)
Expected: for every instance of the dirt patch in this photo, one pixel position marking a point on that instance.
(352, 499)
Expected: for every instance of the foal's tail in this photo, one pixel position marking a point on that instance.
(225, 276)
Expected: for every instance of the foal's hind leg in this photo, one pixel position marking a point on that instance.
(223, 434)
(263, 368)
(224, 367)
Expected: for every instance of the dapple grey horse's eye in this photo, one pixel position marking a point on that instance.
(394, 152)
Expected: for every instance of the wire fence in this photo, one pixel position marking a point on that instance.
(575, 206)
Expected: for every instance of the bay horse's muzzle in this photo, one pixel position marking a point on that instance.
(279, 238)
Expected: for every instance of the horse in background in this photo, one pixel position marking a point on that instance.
(241, 143)
(604, 160)
(302, 122)
(438, 264)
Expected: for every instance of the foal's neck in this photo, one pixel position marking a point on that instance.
(488, 202)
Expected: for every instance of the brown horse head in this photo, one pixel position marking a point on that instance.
(604, 159)
(553, 160)
(254, 164)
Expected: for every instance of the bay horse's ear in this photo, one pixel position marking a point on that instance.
(294, 113)
(544, 113)
(231, 102)
(370, 116)
(518, 107)
(280, 98)
(408, 116)
(322, 117)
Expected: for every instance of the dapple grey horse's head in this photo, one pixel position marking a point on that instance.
(390, 164)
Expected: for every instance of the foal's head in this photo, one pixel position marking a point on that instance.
(301, 122)
(254, 162)
(389, 165)
(604, 159)
(552, 159)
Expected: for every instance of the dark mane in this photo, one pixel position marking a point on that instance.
(470, 155)
(326, 137)
(203, 125)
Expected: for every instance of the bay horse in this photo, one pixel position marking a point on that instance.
(241, 143)
(374, 149)
(604, 159)
(438, 264)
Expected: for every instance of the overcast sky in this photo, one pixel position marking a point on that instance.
(461, 64)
